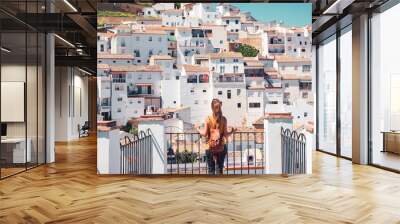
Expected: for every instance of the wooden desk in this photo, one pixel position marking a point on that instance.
(13, 150)
(391, 141)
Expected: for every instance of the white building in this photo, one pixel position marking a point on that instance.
(141, 43)
(298, 42)
(229, 85)
(104, 42)
(172, 17)
(191, 41)
(232, 23)
(115, 59)
(196, 91)
(256, 100)
(136, 90)
(104, 85)
(207, 12)
(288, 65)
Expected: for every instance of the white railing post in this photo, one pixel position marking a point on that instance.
(108, 148)
(272, 142)
(159, 144)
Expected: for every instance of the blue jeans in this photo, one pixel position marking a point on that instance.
(216, 165)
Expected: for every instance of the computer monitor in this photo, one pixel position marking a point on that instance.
(3, 129)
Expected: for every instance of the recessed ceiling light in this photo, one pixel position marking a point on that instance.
(64, 40)
(70, 5)
(5, 50)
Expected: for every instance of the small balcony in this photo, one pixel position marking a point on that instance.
(119, 80)
(228, 78)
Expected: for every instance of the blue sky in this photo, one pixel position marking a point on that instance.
(292, 14)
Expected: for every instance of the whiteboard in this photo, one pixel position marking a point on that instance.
(12, 101)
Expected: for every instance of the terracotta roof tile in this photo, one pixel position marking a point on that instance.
(229, 54)
(115, 56)
(195, 68)
(136, 68)
(253, 41)
(285, 58)
(161, 57)
(103, 66)
(279, 116)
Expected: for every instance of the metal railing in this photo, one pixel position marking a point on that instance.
(187, 153)
(136, 154)
(293, 152)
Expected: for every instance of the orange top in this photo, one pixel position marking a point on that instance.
(212, 123)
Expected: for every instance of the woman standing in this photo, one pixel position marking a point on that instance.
(216, 133)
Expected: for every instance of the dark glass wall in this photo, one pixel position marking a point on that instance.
(22, 77)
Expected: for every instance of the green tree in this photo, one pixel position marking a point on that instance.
(177, 5)
(247, 50)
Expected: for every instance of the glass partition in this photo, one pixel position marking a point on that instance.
(327, 95)
(385, 89)
(22, 88)
(346, 92)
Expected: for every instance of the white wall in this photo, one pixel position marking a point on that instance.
(71, 103)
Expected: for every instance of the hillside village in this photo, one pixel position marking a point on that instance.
(171, 60)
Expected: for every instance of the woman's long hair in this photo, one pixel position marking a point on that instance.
(219, 114)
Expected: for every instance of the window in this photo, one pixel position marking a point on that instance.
(136, 53)
(237, 21)
(196, 102)
(239, 105)
(221, 69)
(306, 68)
(238, 92)
(139, 102)
(346, 92)
(228, 94)
(150, 38)
(327, 95)
(119, 110)
(305, 114)
(219, 92)
(159, 39)
(272, 102)
(235, 69)
(303, 50)
(305, 95)
(150, 53)
(300, 43)
(119, 99)
(221, 41)
(122, 42)
(254, 105)
(289, 39)
(192, 79)
(235, 60)
(101, 47)
(137, 38)
(222, 60)
(294, 50)
(227, 21)
(203, 78)
(204, 91)
(298, 34)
